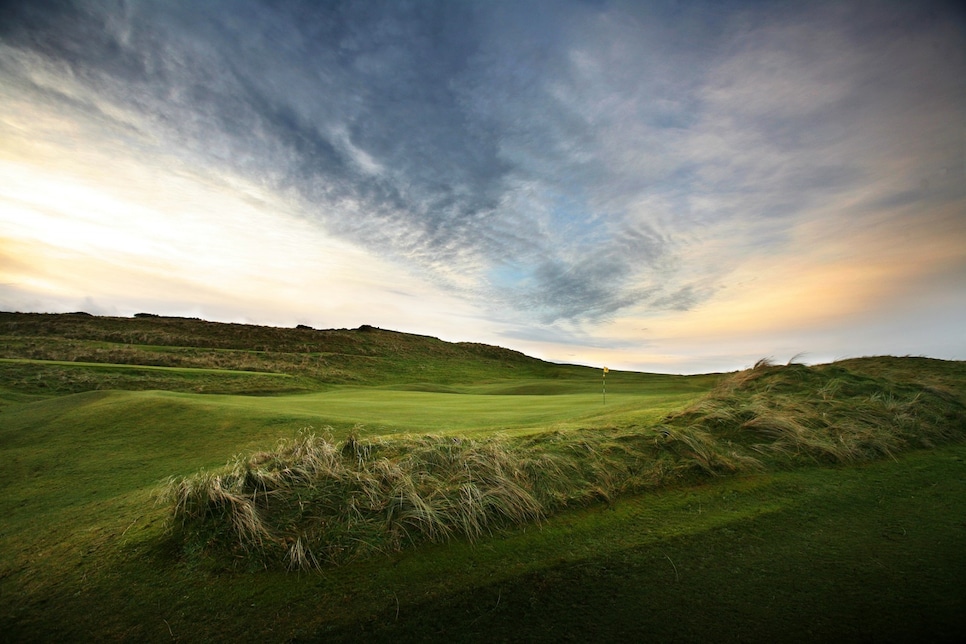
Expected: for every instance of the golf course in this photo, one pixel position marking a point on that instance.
(175, 479)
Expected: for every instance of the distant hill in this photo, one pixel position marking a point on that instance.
(156, 330)
(366, 355)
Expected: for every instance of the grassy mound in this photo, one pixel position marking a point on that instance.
(828, 413)
(313, 501)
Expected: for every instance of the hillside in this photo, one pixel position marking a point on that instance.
(146, 330)
(312, 358)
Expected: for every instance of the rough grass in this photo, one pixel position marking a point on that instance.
(318, 501)
(314, 501)
(57, 378)
(828, 413)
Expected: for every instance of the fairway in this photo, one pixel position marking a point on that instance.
(380, 412)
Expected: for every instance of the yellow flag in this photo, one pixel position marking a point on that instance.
(606, 369)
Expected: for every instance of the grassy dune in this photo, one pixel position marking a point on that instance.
(781, 502)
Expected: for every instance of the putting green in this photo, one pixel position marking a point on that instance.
(393, 412)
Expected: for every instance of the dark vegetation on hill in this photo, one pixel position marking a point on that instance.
(313, 358)
(153, 332)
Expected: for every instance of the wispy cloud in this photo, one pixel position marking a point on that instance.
(555, 166)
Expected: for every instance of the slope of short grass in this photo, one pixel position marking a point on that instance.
(867, 553)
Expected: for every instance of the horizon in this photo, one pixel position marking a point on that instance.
(645, 186)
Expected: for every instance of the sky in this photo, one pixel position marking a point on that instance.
(676, 187)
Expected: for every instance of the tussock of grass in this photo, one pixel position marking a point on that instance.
(825, 414)
(326, 502)
(312, 501)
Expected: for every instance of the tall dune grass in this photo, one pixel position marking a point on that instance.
(312, 501)
(825, 414)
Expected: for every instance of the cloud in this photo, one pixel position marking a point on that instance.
(564, 166)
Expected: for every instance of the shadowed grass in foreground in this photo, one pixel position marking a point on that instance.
(866, 553)
(313, 501)
(872, 552)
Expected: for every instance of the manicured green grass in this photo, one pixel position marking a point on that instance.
(382, 412)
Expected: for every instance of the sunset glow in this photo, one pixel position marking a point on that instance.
(631, 184)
